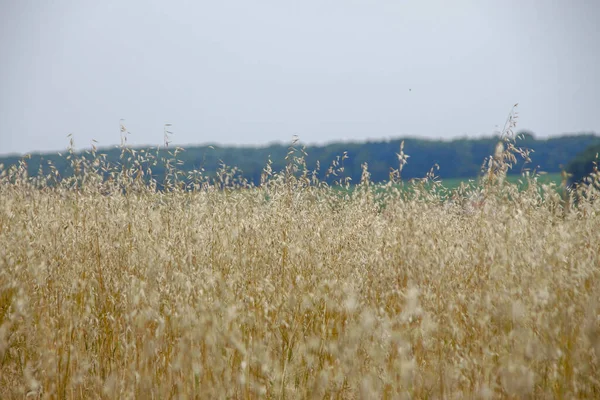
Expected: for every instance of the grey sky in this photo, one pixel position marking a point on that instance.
(254, 72)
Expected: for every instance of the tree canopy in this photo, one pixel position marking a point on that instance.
(583, 164)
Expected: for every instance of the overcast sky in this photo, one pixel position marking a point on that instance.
(254, 72)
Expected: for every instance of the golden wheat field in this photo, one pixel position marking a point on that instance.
(111, 289)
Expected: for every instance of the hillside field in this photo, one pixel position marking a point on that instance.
(555, 178)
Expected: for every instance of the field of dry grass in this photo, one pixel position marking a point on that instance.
(111, 289)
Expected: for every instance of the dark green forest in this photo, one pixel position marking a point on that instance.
(458, 158)
(584, 163)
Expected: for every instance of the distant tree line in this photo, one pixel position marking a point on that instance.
(584, 163)
(458, 158)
